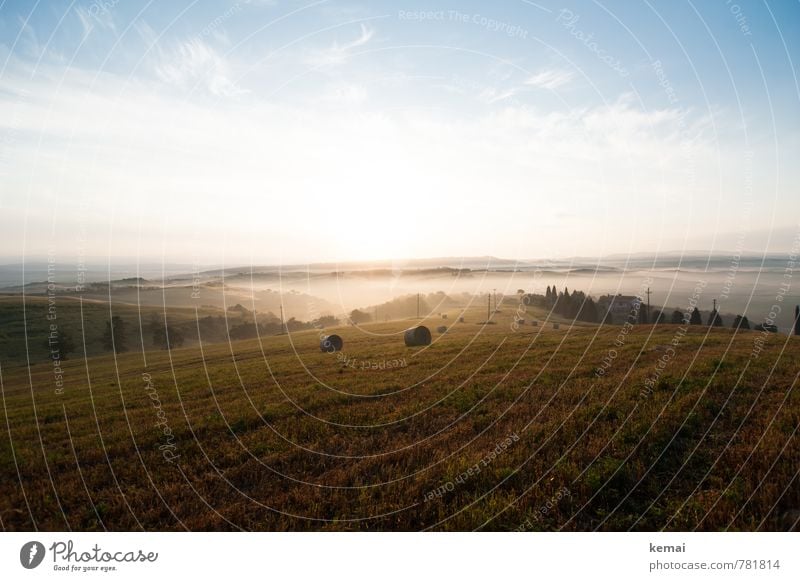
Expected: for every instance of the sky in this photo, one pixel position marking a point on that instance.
(288, 132)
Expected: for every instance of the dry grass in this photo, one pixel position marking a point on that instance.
(274, 435)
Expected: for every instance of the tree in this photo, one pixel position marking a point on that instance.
(238, 308)
(114, 337)
(696, 319)
(59, 344)
(358, 317)
(658, 317)
(741, 322)
(167, 339)
(159, 335)
(176, 338)
(246, 330)
(566, 305)
(588, 312)
(677, 317)
(326, 321)
(714, 320)
(643, 314)
(294, 325)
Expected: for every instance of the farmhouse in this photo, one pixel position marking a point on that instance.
(618, 308)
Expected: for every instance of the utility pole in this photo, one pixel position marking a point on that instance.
(283, 325)
(715, 303)
(797, 320)
(418, 305)
(494, 292)
(488, 308)
(648, 303)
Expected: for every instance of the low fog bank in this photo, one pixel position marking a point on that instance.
(751, 293)
(751, 286)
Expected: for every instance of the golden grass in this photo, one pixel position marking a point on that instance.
(272, 434)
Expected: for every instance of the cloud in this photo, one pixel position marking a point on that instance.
(344, 94)
(85, 19)
(261, 174)
(339, 54)
(146, 33)
(94, 17)
(28, 34)
(194, 62)
(550, 79)
(491, 95)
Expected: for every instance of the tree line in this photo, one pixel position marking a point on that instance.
(240, 323)
(578, 306)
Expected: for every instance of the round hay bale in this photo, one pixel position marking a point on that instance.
(417, 336)
(331, 343)
(444, 315)
(441, 329)
(461, 319)
(556, 325)
(535, 323)
(521, 322)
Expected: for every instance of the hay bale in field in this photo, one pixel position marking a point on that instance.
(444, 315)
(520, 322)
(461, 319)
(535, 323)
(417, 336)
(331, 343)
(441, 329)
(556, 325)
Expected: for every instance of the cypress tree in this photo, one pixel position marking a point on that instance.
(590, 311)
(741, 322)
(115, 337)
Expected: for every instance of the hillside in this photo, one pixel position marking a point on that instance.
(488, 428)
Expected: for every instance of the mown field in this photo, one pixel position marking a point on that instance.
(488, 428)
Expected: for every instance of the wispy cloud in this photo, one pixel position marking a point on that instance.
(31, 41)
(491, 95)
(344, 94)
(91, 18)
(195, 62)
(547, 79)
(338, 54)
(550, 79)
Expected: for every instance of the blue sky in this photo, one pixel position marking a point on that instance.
(221, 131)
